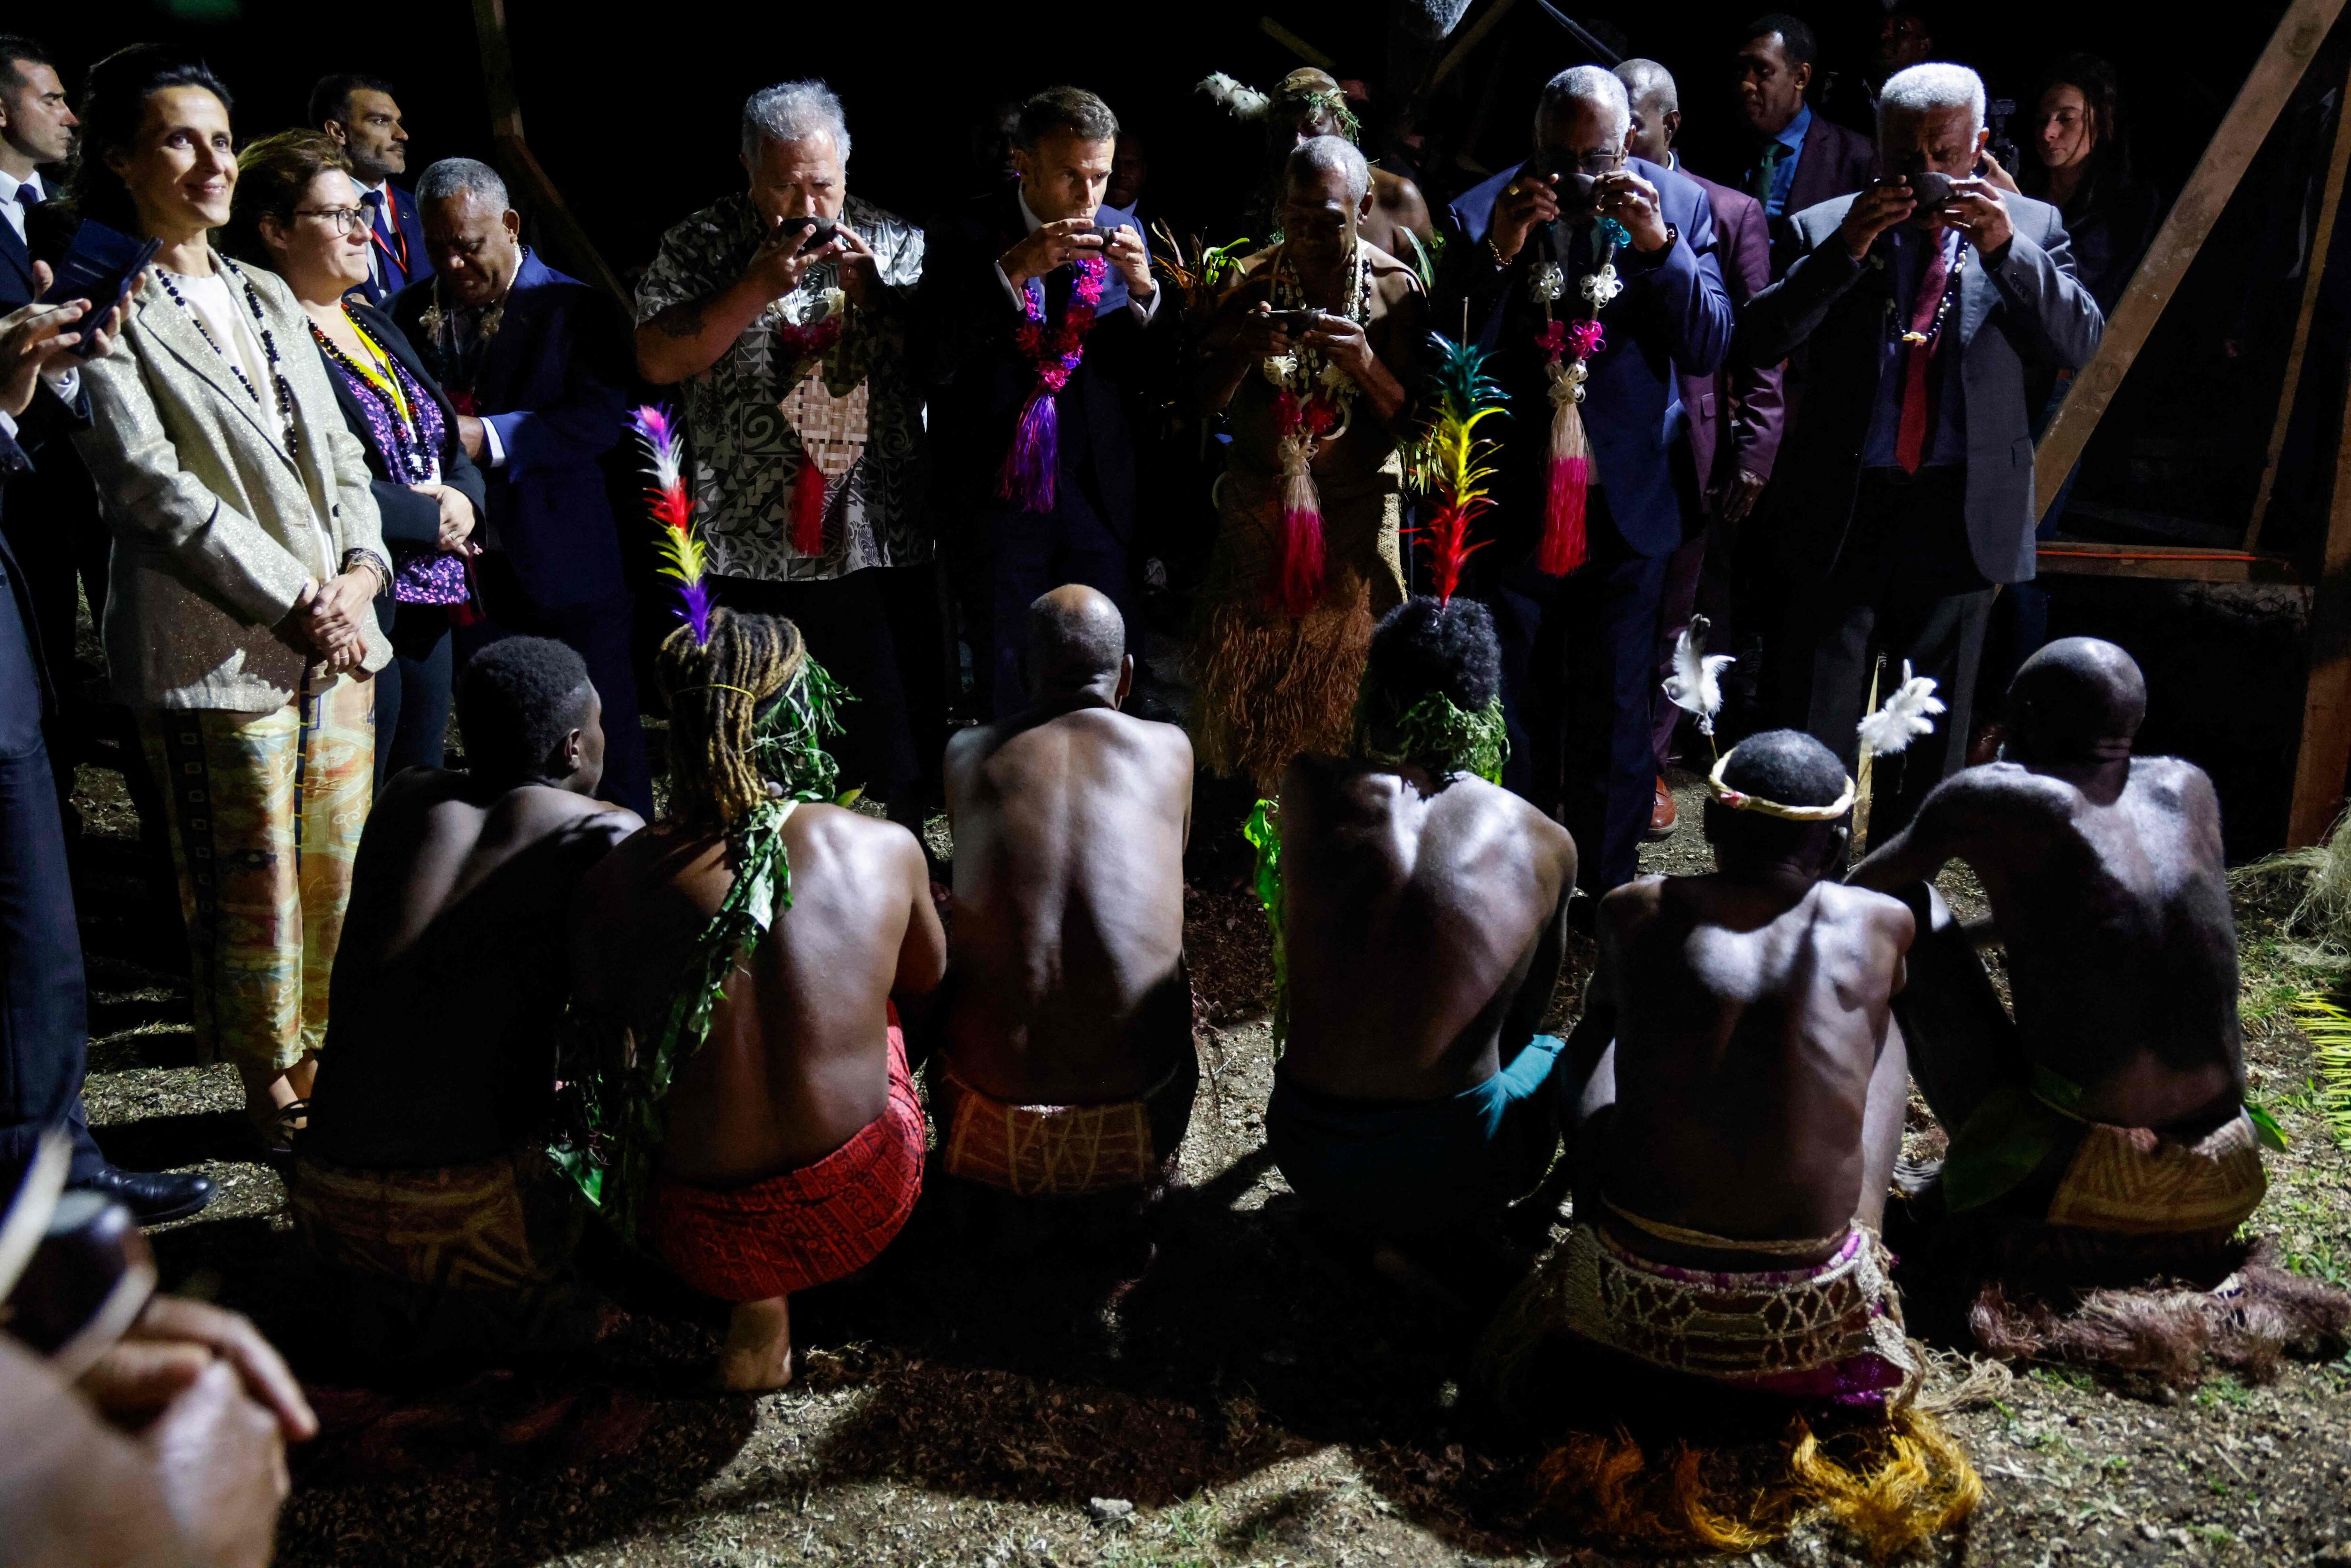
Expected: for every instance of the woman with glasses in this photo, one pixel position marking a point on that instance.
(240, 620)
(295, 212)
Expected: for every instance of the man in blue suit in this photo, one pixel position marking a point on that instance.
(359, 112)
(536, 364)
(1014, 254)
(1578, 650)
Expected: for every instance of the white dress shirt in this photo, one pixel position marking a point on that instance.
(9, 185)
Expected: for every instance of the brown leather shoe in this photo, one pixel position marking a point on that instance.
(1662, 814)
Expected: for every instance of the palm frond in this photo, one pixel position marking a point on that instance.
(2329, 1028)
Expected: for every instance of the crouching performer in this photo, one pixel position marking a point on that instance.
(1420, 911)
(419, 1181)
(1067, 1069)
(2098, 1137)
(738, 966)
(1735, 1094)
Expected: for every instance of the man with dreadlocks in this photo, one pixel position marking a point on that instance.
(1067, 1068)
(1421, 919)
(738, 966)
(1735, 1090)
(1310, 358)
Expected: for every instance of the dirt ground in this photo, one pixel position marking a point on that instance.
(1249, 1399)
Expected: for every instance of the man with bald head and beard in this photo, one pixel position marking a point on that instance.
(2113, 1101)
(1067, 1065)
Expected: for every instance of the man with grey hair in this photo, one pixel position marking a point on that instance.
(537, 364)
(794, 289)
(1583, 233)
(1907, 485)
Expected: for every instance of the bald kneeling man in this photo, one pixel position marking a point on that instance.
(2112, 1101)
(420, 1180)
(1067, 1067)
(1423, 917)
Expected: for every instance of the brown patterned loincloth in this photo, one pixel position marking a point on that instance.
(1058, 1151)
(2131, 1181)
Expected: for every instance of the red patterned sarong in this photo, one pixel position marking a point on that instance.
(806, 1226)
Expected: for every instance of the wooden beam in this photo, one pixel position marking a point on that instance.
(1296, 46)
(2314, 264)
(2272, 80)
(1470, 39)
(2174, 562)
(560, 230)
(2324, 756)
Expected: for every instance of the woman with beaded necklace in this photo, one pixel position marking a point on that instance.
(240, 626)
(296, 212)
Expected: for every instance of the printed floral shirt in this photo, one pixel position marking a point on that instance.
(745, 453)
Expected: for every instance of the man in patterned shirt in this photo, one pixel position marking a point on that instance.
(782, 310)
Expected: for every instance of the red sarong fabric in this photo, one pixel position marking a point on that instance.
(806, 1227)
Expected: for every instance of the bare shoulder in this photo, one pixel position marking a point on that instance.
(1544, 834)
(868, 842)
(1848, 905)
(1624, 911)
(2172, 781)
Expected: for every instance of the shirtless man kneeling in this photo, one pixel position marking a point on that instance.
(418, 1179)
(738, 966)
(1736, 1092)
(2114, 1101)
(1067, 1067)
(1422, 917)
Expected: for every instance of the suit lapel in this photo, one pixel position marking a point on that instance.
(17, 260)
(176, 331)
(1975, 295)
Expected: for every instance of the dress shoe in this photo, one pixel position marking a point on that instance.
(152, 1196)
(1662, 812)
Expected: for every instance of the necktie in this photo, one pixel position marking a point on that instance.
(1919, 351)
(28, 195)
(1761, 186)
(380, 248)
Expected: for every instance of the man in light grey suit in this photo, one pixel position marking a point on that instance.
(1904, 491)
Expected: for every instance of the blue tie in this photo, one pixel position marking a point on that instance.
(377, 225)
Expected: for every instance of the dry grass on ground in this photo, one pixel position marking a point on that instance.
(1248, 1402)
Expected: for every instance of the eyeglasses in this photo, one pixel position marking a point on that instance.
(342, 220)
(1599, 162)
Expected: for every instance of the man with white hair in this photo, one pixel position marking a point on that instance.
(536, 363)
(794, 290)
(1592, 277)
(1906, 486)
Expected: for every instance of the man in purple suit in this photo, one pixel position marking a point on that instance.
(1801, 158)
(1734, 414)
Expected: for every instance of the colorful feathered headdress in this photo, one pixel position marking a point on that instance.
(672, 509)
(1453, 464)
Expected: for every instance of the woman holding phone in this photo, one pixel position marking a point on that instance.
(240, 620)
(297, 213)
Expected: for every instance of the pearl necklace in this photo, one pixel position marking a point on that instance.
(268, 348)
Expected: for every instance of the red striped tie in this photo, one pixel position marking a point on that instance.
(1920, 350)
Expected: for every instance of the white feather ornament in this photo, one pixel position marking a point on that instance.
(1907, 715)
(1696, 685)
(1241, 102)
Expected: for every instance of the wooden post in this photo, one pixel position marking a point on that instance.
(2272, 80)
(558, 227)
(2338, 160)
(2325, 753)
(1468, 40)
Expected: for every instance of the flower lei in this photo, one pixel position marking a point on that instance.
(811, 329)
(1031, 470)
(1313, 404)
(1567, 348)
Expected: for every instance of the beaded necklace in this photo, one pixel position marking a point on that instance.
(268, 347)
(1313, 400)
(379, 373)
(1897, 333)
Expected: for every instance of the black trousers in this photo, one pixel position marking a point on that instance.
(1027, 555)
(1578, 652)
(599, 634)
(877, 631)
(414, 691)
(1905, 586)
(44, 1018)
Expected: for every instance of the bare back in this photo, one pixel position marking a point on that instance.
(2121, 948)
(797, 1059)
(1423, 931)
(1748, 1030)
(1067, 946)
(450, 981)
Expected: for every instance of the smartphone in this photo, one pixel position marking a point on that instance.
(1295, 322)
(99, 266)
(1929, 190)
(818, 230)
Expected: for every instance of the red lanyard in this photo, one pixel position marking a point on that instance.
(392, 221)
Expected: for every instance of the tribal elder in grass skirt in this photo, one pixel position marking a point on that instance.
(240, 622)
(1311, 357)
(739, 969)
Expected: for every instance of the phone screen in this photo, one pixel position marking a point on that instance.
(101, 266)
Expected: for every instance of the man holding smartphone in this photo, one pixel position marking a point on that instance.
(1909, 311)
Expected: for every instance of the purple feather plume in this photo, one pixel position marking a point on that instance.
(1033, 466)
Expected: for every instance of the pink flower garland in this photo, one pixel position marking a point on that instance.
(1033, 468)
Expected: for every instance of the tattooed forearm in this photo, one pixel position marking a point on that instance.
(683, 319)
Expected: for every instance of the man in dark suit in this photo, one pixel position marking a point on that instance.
(536, 364)
(1577, 649)
(1013, 258)
(44, 1024)
(359, 112)
(1908, 483)
(1734, 415)
(1801, 158)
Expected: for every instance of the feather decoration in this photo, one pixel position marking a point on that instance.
(673, 507)
(1241, 101)
(1454, 461)
(1696, 685)
(1907, 715)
